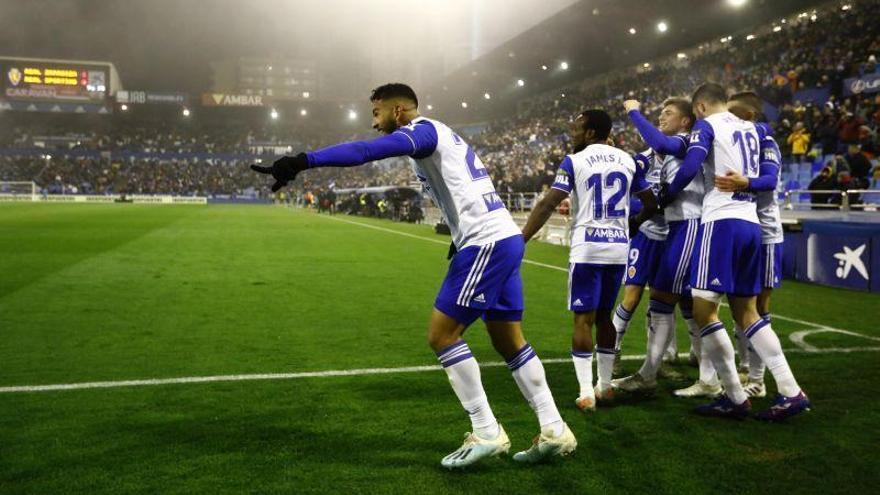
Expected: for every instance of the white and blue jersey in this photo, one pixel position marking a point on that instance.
(483, 277)
(767, 196)
(600, 179)
(669, 267)
(654, 228)
(728, 241)
(449, 170)
(647, 245)
(768, 200)
(730, 144)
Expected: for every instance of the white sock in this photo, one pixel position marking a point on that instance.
(742, 346)
(620, 320)
(464, 376)
(671, 341)
(767, 346)
(707, 371)
(756, 365)
(605, 367)
(717, 347)
(583, 369)
(528, 372)
(662, 319)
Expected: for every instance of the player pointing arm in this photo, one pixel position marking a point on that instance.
(483, 279)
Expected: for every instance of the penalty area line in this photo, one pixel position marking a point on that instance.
(333, 373)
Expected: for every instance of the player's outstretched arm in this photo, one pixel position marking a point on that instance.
(412, 140)
(558, 192)
(659, 142)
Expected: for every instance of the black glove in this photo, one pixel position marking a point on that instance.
(284, 169)
(452, 251)
(634, 225)
(662, 195)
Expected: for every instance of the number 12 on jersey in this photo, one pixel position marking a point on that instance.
(616, 185)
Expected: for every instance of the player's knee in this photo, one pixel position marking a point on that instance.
(707, 295)
(583, 322)
(603, 317)
(439, 340)
(663, 296)
(632, 295)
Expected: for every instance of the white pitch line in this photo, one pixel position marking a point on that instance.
(804, 348)
(798, 337)
(436, 241)
(544, 265)
(332, 373)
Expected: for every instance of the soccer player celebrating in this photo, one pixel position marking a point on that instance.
(728, 256)
(600, 179)
(645, 248)
(669, 282)
(483, 278)
(747, 106)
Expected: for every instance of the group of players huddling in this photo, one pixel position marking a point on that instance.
(709, 226)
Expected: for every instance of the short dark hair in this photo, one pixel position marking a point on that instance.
(599, 121)
(750, 99)
(684, 106)
(709, 93)
(394, 90)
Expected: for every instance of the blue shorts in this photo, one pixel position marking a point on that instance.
(592, 287)
(674, 271)
(484, 281)
(727, 257)
(771, 265)
(644, 256)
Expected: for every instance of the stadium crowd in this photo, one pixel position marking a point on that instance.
(799, 70)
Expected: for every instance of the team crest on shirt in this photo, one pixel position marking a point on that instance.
(631, 272)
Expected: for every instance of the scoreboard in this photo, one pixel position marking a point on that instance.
(54, 81)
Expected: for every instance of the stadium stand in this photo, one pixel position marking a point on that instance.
(800, 71)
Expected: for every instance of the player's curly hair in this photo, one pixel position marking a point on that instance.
(394, 90)
(598, 120)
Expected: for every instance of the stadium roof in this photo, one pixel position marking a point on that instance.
(592, 37)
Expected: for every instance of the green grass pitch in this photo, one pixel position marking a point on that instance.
(92, 293)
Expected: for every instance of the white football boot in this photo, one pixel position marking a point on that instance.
(546, 445)
(475, 448)
(634, 383)
(586, 403)
(699, 389)
(755, 388)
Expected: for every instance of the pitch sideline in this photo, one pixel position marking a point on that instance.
(797, 338)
